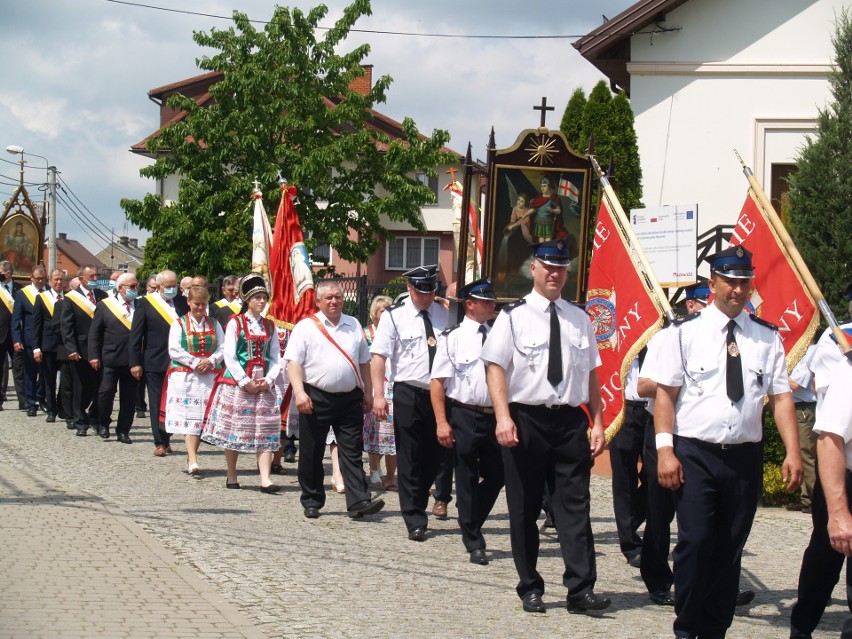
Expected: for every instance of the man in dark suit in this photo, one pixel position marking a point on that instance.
(8, 287)
(22, 338)
(230, 304)
(149, 346)
(46, 338)
(108, 339)
(78, 309)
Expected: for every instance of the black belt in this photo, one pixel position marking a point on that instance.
(332, 394)
(715, 446)
(636, 402)
(485, 410)
(425, 391)
(805, 404)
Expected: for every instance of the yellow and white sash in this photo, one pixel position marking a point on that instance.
(7, 299)
(235, 306)
(81, 301)
(168, 312)
(31, 292)
(119, 310)
(49, 300)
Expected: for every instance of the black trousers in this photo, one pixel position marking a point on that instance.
(715, 509)
(141, 404)
(117, 378)
(33, 380)
(659, 513)
(342, 412)
(477, 455)
(66, 389)
(553, 450)
(49, 369)
(86, 384)
(629, 489)
(821, 565)
(418, 452)
(154, 381)
(443, 490)
(18, 377)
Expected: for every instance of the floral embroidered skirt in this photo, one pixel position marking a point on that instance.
(378, 435)
(240, 421)
(187, 395)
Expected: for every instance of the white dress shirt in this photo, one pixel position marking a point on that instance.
(826, 357)
(401, 337)
(834, 415)
(518, 343)
(651, 360)
(322, 364)
(255, 327)
(694, 359)
(457, 361)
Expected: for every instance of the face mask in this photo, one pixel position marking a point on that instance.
(131, 294)
(170, 292)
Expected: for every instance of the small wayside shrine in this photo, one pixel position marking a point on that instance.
(22, 228)
(538, 189)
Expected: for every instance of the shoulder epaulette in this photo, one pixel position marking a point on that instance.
(762, 322)
(508, 308)
(395, 306)
(688, 318)
(449, 330)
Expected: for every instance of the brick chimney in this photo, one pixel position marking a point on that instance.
(122, 240)
(133, 242)
(364, 84)
(63, 237)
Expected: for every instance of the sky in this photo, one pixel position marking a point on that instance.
(74, 79)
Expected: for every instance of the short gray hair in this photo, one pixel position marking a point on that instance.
(328, 284)
(162, 274)
(123, 279)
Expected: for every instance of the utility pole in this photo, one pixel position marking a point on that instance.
(51, 238)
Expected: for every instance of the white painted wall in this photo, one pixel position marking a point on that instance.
(744, 74)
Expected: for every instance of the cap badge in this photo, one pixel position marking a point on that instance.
(739, 252)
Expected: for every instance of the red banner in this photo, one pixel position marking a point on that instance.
(778, 294)
(293, 293)
(623, 313)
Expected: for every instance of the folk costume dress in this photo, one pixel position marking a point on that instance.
(236, 419)
(187, 390)
(378, 435)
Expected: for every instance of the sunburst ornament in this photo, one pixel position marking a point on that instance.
(541, 150)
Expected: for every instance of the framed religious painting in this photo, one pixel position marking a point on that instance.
(539, 189)
(20, 242)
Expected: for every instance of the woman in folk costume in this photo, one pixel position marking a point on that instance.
(197, 350)
(243, 414)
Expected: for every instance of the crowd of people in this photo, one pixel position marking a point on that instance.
(512, 402)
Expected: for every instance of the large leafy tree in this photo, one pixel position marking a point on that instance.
(820, 196)
(283, 104)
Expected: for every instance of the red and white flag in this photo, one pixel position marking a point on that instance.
(455, 189)
(567, 189)
(623, 313)
(778, 294)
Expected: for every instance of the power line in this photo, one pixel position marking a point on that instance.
(80, 216)
(90, 219)
(94, 218)
(81, 223)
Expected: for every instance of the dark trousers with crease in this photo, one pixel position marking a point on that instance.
(820, 571)
(66, 388)
(154, 381)
(86, 383)
(343, 413)
(443, 490)
(477, 455)
(715, 509)
(117, 378)
(659, 513)
(49, 369)
(417, 451)
(33, 379)
(629, 486)
(553, 450)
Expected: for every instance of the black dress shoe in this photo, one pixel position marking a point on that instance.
(234, 486)
(81, 432)
(662, 598)
(104, 432)
(366, 507)
(51, 417)
(124, 438)
(635, 560)
(32, 411)
(589, 601)
(418, 534)
(533, 603)
(140, 414)
(289, 456)
(744, 597)
(311, 512)
(271, 489)
(69, 424)
(478, 556)
(43, 407)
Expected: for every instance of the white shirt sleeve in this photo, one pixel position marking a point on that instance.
(176, 351)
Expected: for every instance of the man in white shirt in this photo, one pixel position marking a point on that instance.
(328, 368)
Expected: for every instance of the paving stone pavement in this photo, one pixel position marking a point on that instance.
(204, 561)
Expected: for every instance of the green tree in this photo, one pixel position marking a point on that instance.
(572, 120)
(283, 104)
(624, 151)
(820, 196)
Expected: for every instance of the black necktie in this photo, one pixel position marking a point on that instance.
(430, 337)
(554, 362)
(483, 331)
(734, 366)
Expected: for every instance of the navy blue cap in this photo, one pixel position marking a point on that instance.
(423, 278)
(699, 292)
(733, 262)
(552, 253)
(481, 289)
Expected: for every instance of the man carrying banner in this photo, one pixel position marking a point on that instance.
(328, 367)
(713, 372)
(541, 359)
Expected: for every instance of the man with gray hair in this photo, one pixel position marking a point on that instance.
(22, 339)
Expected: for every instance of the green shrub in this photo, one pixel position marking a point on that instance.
(775, 492)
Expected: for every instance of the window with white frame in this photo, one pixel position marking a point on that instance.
(432, 182)
(321, 255)
(404, 253)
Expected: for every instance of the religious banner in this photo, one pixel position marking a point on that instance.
(261, 237)
(778, 294)
(474, 239)
(622, 310)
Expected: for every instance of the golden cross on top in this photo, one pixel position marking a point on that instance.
(452, 173)
(544, 109)
(256, 185)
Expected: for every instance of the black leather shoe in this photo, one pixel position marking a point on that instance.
(290, 456)
(70, 425)
(81, 432)
(124, 438)
(533, 603)
(311, 512)
(589, 601)
(744, 597)
(270, 490)
(103, 431)
(635, 560)
(417, 534)
(140, 414)
(43, 407)
(662, 598)
(478, 557)
(32, 411)
(366, 507)
(51, 417)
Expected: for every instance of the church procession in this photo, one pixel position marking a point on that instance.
(637, 382)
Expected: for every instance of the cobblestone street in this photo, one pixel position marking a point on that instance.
(175, 556)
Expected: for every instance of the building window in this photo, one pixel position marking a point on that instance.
(432, 182)
(321, 255)
(405, 253)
